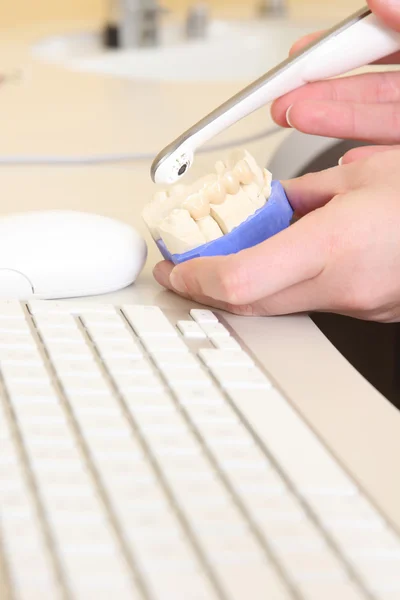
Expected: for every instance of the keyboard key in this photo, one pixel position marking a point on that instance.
(29, 374)
(165, 344)
(17, 341)
(330, 590)
(46, 307)
(112, 334)
(316, 473)
(125, 366)
(203, 316)
(125, 350)
(209, 396)
(21, 357)
(214, 330)
(13, 325)
(320, 565)
(168, 361)
(225, 357)
(224, 343)
(67, 366)
(54, 321)
(135, 382)
(188, 378)
(240, 378)
(9, 309)
(71, 351)
(149, 321)
(55, 335)
(191, 330)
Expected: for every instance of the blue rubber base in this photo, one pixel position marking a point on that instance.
(267, 221)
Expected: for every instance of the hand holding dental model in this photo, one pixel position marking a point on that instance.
(343, 254)
(234, 208)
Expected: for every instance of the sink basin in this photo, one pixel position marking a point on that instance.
(232, 51)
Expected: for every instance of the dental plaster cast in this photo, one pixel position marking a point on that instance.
(179, 231)
(186, 217)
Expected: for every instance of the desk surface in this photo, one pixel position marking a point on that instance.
(53, 111)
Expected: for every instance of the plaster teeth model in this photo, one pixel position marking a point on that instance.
(210, 228)
(186, 216)
(180, 232)
(231, 213)
(197, 205)
(159, 208)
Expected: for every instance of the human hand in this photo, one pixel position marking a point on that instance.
(343, 256)
(363, 107)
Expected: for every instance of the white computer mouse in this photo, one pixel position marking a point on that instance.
(66, 254)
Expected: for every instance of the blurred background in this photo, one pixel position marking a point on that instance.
(26, 11)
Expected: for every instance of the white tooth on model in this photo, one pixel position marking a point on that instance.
(220, 167)
(203, 182)
(215, 193)
(209, 228)
(180, 232)
(233, 211)
(230, 182)
(156, 210)
(243, 172)
(239, 155)
(197, 205)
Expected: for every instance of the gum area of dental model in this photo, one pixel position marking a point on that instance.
(243, 172)
(230, 182)
(180, 232)
(209, 228)
(215, 193)
(197, 205)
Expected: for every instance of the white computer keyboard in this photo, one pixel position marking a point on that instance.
(143, 458)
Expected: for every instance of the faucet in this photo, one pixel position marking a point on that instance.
(137, 22)
(272, 8)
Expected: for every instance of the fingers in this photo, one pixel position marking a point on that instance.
(162, 272)
(314, 190)
(303, 297)
(368, 122)
(292, 256)
(388, 11)
(368, 88)
(305, 41)
(364, 152)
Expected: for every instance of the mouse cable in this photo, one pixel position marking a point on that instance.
(101, 159)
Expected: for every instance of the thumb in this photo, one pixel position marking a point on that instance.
(388, 11)
(296, 254)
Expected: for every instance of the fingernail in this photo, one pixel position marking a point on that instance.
(177, 282)
(288, 116)
(340, 161)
